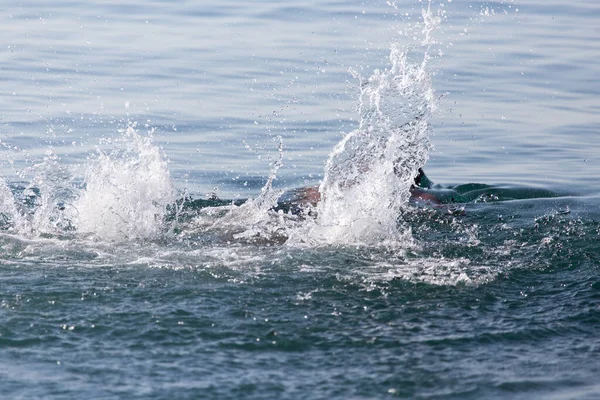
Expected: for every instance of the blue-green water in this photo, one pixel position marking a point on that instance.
(112, 287)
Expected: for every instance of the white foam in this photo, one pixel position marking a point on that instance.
(433, 271)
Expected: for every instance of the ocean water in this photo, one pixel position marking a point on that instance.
(153, 242)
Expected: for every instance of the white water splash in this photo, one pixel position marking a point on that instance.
(254, 220)
(369, 174)
(367, 180)
(48, 192)
(52, 191)
(127, 191)
(10, 216)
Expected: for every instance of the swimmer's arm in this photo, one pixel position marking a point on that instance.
(429, 198)
(420, 195)
(311, 195)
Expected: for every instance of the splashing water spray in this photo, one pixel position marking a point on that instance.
(369, 173)
(127, 191)
(126, 195)
(254, 220)
(366, 184)
(10, 216)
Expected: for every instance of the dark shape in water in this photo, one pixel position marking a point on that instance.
(301, 201)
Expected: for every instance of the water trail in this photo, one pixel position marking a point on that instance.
(369, 173)
(256, 217)
(254, 220)
(127, 191)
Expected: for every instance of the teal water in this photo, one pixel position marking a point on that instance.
(120, 279)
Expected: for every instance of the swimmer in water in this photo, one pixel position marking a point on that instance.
(302, 200)
(418, 191)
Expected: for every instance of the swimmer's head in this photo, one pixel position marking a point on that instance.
(421, 180)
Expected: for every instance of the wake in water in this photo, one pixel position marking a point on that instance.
(127, 192)
(252, 221)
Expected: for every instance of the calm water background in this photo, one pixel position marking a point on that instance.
(521, 104)
(219, 81)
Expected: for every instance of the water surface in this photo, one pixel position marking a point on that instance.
(109, 290)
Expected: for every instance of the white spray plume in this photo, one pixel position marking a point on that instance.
(127, 192)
